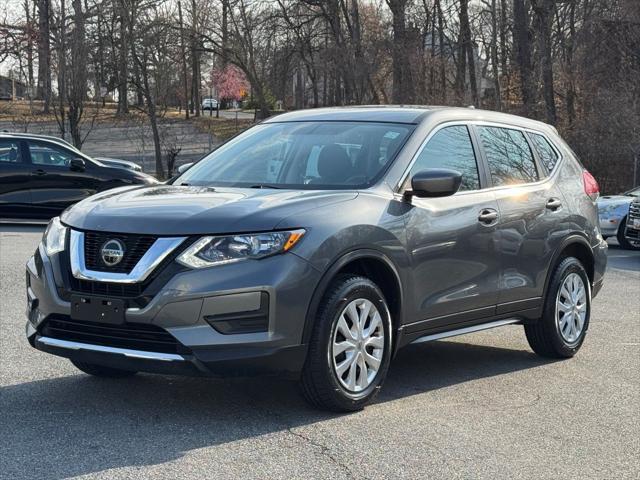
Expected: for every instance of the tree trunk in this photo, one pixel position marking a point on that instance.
(29, 33)
(195, 60)
(62, 71)
(44, 54)
(403, 89)
(78, 85)
(467, 49)
(494, 55)
(463, 40)
(183, 51)
(123, 73)
(544, 10)
(523, 55)
(443, 73)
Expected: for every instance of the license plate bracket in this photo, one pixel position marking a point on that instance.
(97, 309)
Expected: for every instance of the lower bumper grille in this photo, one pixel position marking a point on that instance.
(134, 336)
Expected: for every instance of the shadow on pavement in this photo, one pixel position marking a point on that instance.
(622, 259)
(76, 425)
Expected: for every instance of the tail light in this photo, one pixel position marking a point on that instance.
(591, 186)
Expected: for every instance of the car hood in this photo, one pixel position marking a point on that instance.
(186, 210)
(608, 200)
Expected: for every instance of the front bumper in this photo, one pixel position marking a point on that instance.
(198, 309)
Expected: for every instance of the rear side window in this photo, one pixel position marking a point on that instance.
(451, 148)
(509, 156)
(546, 152)
(9, 151)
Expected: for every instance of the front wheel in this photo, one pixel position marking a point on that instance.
(350, 347)
(567, 309)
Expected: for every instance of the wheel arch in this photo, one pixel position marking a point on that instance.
(372, 264)
(573, 246)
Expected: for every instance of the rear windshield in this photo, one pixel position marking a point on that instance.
(311, 155)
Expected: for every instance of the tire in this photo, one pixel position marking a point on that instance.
(550, 337)
(622, 240)
(101, 371)
(321, 384)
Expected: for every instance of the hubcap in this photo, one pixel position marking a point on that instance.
(571, 307)
(357, 345)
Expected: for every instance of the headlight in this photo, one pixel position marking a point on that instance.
(54, 237)
(209, 251)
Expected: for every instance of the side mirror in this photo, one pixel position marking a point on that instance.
(77, 165)
(435, 182)
(184, 168)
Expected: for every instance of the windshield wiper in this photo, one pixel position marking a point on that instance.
(265, 185)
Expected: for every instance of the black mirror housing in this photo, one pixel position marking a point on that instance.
(435, 182)
(77, 165)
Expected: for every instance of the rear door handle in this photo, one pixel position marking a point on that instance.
(39, 172)
(488, 216)
(553, 204)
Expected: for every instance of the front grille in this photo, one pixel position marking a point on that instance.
(634, 210)
(135, 246)
(124, 290)
(134, 336)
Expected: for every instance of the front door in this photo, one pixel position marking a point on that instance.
(451, 240)
(54, 184)
(15, 197)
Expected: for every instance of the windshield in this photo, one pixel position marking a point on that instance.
(311, 155)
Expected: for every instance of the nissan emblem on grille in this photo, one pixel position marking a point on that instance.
(112, 252)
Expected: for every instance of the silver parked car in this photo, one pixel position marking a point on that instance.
(613, 210)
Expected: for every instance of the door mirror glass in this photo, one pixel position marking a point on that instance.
(77, 165)
(435, 182)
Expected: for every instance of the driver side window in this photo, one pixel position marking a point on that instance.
(49, 155)
(450, 147)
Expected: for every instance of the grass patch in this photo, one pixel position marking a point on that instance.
(221, 128)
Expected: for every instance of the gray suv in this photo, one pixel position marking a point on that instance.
(318, 243)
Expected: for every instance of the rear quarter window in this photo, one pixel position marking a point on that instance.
(547, 154)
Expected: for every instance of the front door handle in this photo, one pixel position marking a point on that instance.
(39, 172)
(553, 204)
(488, 216)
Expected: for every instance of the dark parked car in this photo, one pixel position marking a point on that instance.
(117, 162)
(632, 229)
(40, 176)
(318, 243)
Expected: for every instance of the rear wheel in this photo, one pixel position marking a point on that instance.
(350, 347)
(622, 240)
(561, 330)
(101, 371)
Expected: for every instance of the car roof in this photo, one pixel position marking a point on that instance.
(410, 114)
(36, 136)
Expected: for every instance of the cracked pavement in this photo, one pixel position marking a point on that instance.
(478, 406)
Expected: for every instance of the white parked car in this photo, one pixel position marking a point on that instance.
(613, 210)
(209, 104)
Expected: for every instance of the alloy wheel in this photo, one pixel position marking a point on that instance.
(571, 308)
(357, 345)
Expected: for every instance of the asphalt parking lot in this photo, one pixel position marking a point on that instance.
(479, 406)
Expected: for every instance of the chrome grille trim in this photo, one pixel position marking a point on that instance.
(158, 251)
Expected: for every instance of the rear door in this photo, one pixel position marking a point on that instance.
(54, 185)
(451, 240)
(531, 212)
(15, 196)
